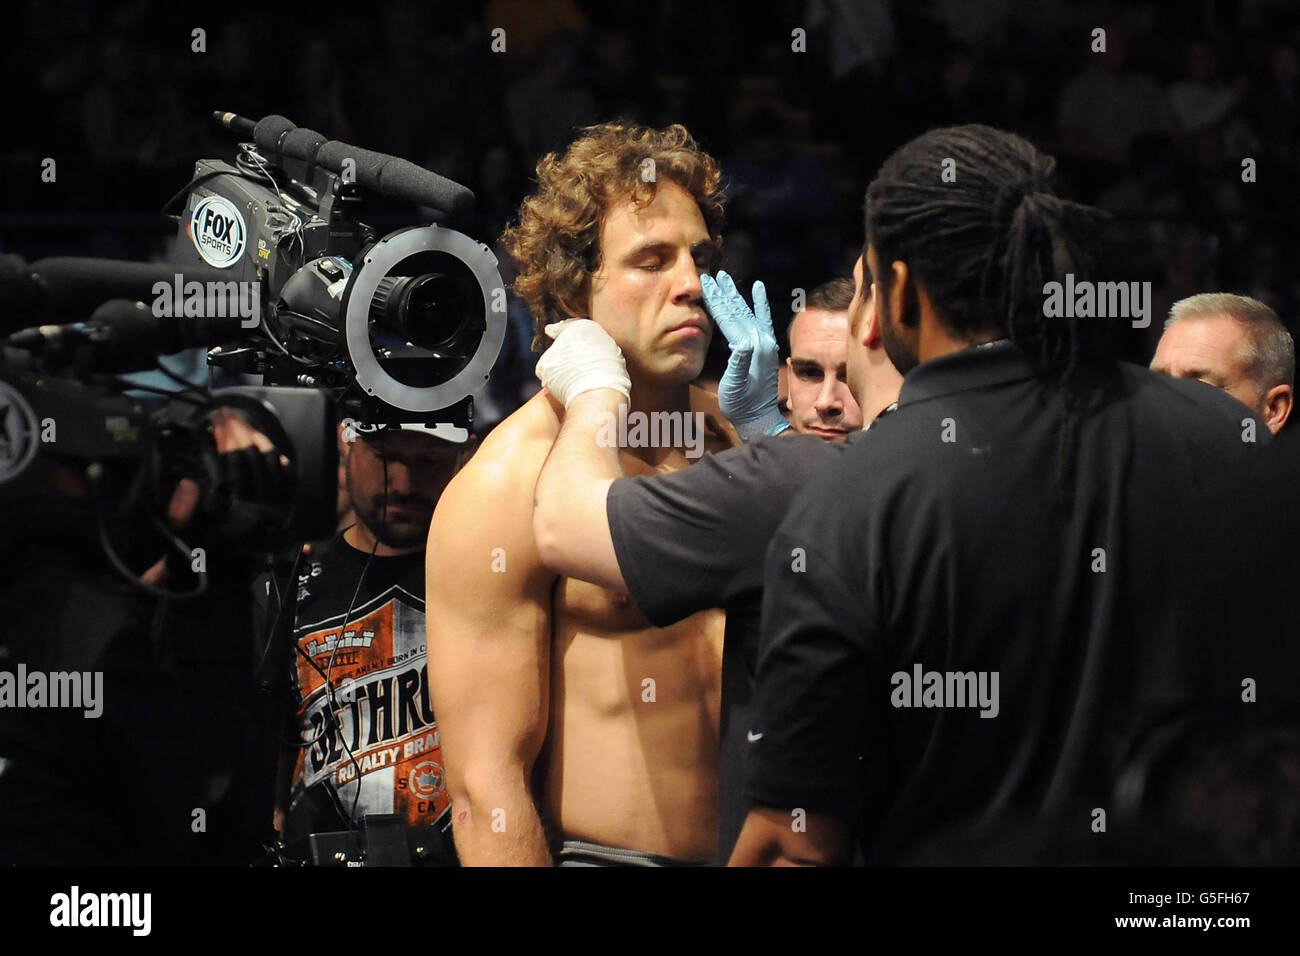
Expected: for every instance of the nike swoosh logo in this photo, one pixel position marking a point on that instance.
(753, 736)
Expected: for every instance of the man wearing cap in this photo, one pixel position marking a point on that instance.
(367, 740)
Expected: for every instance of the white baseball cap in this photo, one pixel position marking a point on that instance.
(447, 431)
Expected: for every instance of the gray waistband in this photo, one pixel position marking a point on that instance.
(582, 853)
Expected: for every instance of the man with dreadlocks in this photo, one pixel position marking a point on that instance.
(980, 621)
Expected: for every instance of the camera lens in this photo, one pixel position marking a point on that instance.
(430, 311)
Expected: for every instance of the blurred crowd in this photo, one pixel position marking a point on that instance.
(799, 99)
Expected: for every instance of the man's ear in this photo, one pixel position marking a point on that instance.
(870, 331)
(902, 296)
(1276, 407)
(345, 446)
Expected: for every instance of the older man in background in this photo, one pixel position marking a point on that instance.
(1236, 344)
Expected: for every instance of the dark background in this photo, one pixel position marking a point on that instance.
(1155, 130)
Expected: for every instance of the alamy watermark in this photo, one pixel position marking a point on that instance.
(234, 299)
(1098, 300)
(653, 430)
(77, 690)
(946, 689)
(76, 909)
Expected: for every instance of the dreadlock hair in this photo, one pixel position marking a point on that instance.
(984, 240)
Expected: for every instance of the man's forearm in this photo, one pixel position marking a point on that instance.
(570, 522)
(585, 451)
(503, 829)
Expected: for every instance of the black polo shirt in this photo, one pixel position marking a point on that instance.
(937, 557)
(695, 539)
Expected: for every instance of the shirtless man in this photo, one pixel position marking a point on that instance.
(552, 694)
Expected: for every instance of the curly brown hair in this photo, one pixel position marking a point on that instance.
(556, 242)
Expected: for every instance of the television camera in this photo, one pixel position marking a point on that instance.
(281, 279)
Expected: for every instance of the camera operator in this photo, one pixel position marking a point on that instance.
(366, 738)
(163, 757)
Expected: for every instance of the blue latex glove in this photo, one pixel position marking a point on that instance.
(747, 392)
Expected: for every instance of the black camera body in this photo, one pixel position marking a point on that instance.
(240, 224)
(405, 327)
(61, 425)
(279, 275)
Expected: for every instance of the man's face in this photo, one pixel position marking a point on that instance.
(899, 345)
(647, 293)
(820, 401)
(1208, 349)
(395, 479)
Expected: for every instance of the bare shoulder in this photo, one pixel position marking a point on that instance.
(513, 454)
(721, 434)
(489, 504)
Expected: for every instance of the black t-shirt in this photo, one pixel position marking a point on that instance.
(1244, 531)
(387, 741)
(936, 558)
(695, 539)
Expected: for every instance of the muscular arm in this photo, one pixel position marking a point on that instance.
(710, 522)
(488, 618)
(570, 520)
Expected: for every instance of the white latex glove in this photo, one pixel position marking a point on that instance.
(582, 358)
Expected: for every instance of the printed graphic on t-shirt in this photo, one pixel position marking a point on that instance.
(386, 741)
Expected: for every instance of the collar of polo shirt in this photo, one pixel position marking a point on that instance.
(988, 363)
